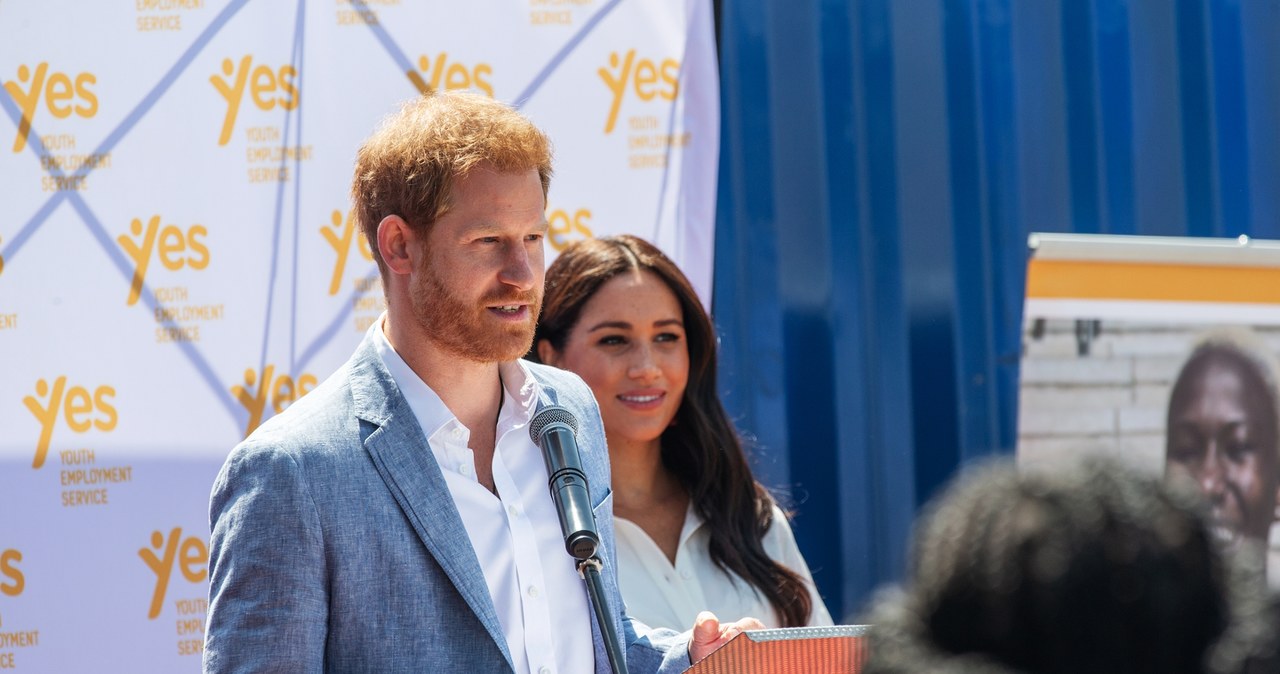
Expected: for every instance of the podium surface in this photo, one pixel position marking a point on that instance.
(841, 649)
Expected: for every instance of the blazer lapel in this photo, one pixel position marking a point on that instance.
(401, 455)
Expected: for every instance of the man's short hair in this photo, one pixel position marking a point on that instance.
(1248, 347)
(407, 167)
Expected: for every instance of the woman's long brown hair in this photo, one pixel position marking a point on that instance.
(701, 447)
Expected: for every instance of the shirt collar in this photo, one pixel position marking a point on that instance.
(520, 390)
(692, 522)
(520, 395)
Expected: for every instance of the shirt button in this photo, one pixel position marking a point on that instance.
(515, 512)
(686, 574)
(544, 670)
(533, 591)
(465, 469)
(457, 433)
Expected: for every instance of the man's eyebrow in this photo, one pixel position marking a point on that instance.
(1228, 426)
(481, 229)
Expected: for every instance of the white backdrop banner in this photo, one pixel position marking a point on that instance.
(178, 260)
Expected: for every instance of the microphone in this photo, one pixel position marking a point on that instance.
(554, 429)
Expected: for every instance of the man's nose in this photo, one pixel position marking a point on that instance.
(1212, 473)
(517, 268)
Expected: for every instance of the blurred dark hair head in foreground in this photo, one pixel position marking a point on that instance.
(1088, 568)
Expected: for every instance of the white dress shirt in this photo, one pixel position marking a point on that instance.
(540, 600)
(661, 594)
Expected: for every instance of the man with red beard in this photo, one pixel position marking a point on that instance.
(397, 518)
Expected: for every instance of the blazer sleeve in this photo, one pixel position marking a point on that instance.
(655, 649)
(268, 605)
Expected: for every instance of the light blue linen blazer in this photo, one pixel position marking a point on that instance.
(336, 546)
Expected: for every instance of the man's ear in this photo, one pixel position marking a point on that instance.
(394, 237)
(547, 354)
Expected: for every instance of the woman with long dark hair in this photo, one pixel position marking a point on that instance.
(694, 529)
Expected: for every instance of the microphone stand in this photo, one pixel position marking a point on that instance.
(589, 570)
(553, 430)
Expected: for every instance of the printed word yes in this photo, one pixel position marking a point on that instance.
(282, 388)
(172, 242)
(340, 236)
(81, 410)
(12, 581)
(190, 555)
(63, 96)
(454, 75)
(564, 228)
(644, 76)
(266, 87)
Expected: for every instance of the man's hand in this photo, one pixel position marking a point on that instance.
(709, 634)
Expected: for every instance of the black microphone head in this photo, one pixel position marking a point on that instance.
(582, 545)
(551, 414)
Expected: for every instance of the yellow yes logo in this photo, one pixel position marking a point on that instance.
(283, 389)
(451, 75)
(263, 84)
(169, 243)
(339, 236)
(76, 404)
(191, 556)
(62, 96)
(646, 77)
(564, 228)
(8, 569)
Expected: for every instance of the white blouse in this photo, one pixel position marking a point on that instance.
(661, 594)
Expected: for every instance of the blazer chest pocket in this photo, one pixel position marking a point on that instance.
(605, 507)
(603, 512)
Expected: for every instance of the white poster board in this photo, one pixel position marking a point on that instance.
(1111, 324)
